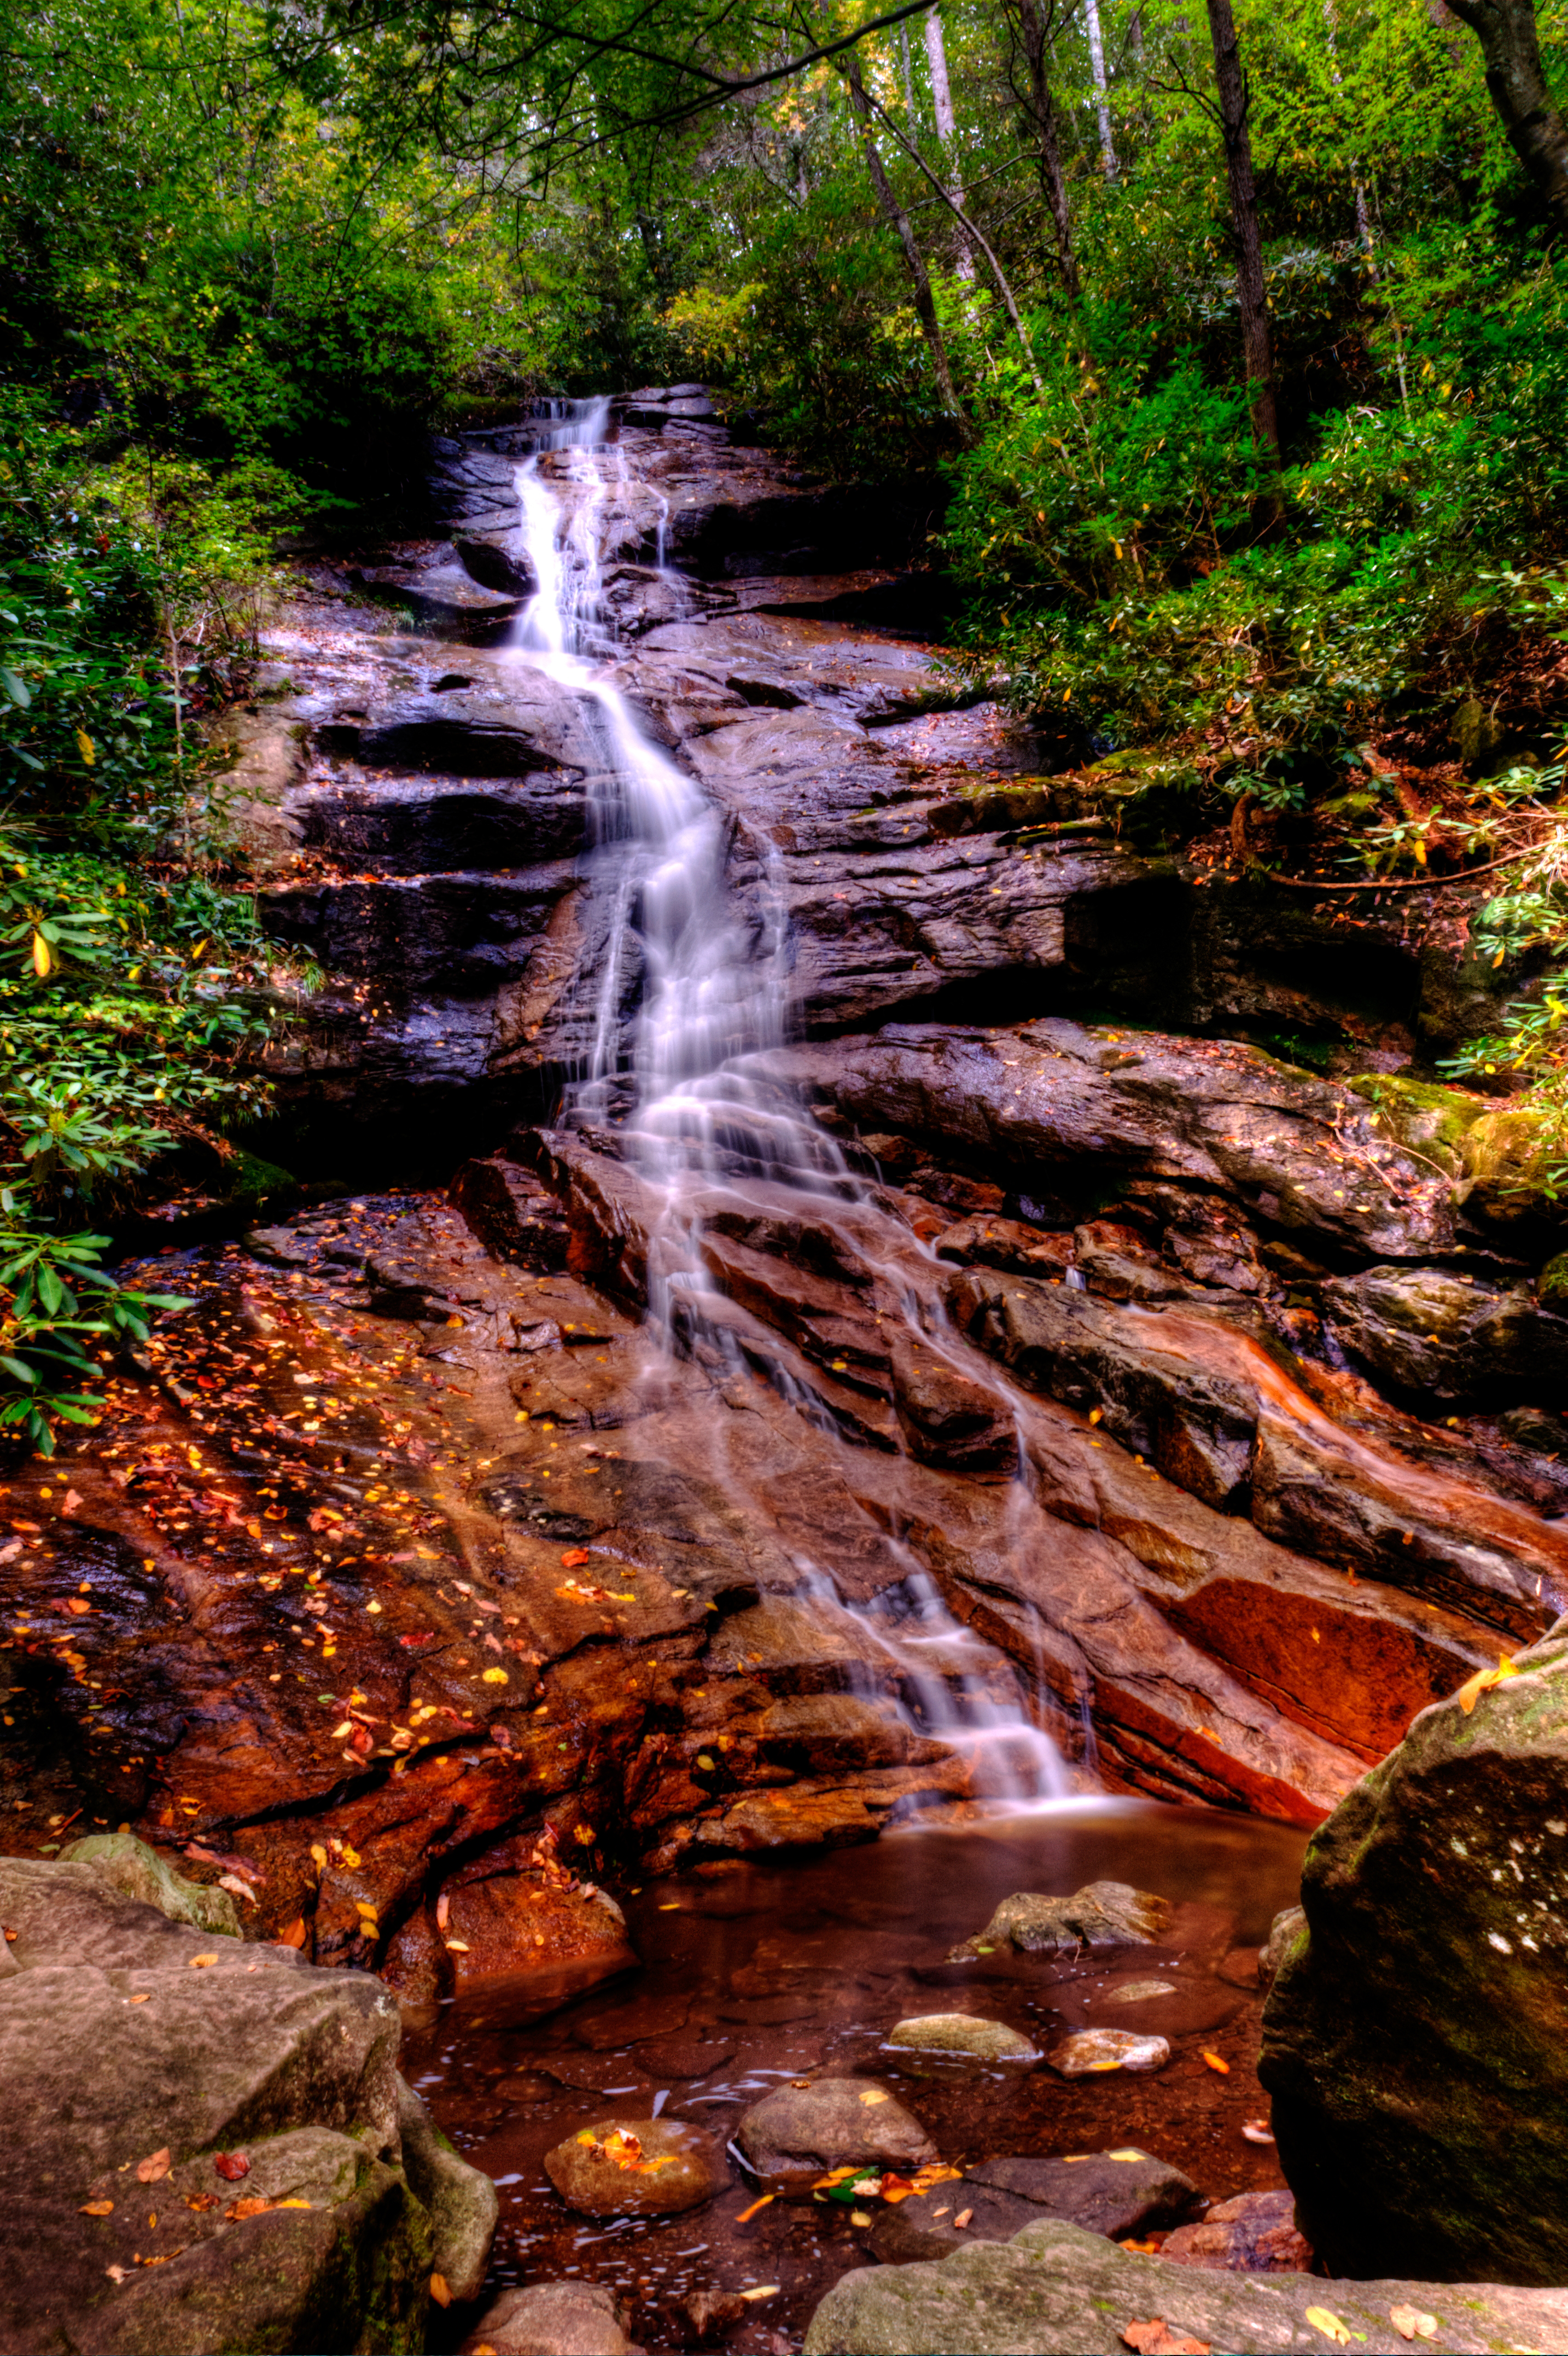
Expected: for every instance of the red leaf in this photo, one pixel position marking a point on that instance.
(574, 1557)
(232, 2166)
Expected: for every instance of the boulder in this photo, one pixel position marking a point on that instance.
(636, 2168)
(559, 2319)
(1101, 1915)
(1255, 2233)
(1449, 1337)
(1415, 2038)
(798, 2131)
(1118, 2193)
(964, 2035)
(129, 1865)
(1053, 2288)
(141, 2049)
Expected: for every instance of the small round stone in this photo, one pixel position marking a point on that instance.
(964, 2033)
(1091, 2049)
(636, 2168)
(1140, 1991)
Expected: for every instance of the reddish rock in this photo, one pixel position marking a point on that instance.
(1255, 2233)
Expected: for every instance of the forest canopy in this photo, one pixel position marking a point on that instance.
(1232, 346)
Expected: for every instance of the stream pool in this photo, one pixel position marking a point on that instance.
(755, 1973)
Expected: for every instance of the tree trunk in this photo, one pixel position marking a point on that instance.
(1251, 296)
(1511, 48)
(920, 278)
(946, 127)
(1042, 111)
(1102, 105)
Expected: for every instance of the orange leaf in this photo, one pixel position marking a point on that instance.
(1470, 1692)
(95, 2209)
(1215, 2062)
(439, 2291)
(746, 2215)
(153, 2170)
(1155, 2337)
(574, 1557)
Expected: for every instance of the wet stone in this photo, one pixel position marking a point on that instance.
(798, 2131)
(1255, 2233)
(636, 2168)
(1103, 1914)
(560, 2319)
(1088, 2050)
(968, 2034)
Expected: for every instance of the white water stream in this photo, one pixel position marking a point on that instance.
(695, 977)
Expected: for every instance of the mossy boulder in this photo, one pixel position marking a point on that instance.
(1552, 1287)
(1427, 1120)
(1415, 2038)
(129, 1865)
(1449, 1337)
(1507, 1160)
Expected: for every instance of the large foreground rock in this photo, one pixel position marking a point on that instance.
(138, 2051)
(1416, 2035)
(1053, 2289)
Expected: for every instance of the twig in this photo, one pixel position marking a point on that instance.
(1407, 884)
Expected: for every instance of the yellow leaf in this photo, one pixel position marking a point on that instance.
(1470, 1692)
(495, 1677)
(95, 2209)
(84, 747)
(1216, 2064)
(1411, 2324)
(43, 956)
(874, 2094)
(200, 1963)
(1421, 854)
(1328, 2325)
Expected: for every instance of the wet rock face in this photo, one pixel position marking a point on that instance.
(1414, 2034)
(1118, 2193)
(285, 2184)
(636, 2168)
(1449, 1337)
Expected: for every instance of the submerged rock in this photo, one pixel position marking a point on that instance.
(132, 2037)
(1053, 2288)
(1415, 2036)
(1254, 2234)
(1101, 1915)
(1118, 2193)
(1089, 2051)
(798, 2131)
(963, 2033)
(636, 2168)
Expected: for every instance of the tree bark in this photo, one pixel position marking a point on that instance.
(1251, 294)
(1511, 48)
(1043, 112)
(920, 278)
(1103, 105)
(946, 125)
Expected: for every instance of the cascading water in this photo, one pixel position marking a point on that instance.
(694, 977)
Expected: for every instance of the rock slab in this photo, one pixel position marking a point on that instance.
(1053, 2288)
(1415, 2038)
(798, 2131)
(1101, 1915)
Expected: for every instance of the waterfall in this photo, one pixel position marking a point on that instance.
(712, 973)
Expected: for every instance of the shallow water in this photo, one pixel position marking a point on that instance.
(801, 1968)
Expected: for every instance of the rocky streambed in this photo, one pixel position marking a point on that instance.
(819, 1303)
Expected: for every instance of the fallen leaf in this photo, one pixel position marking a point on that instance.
(1141, 2249)
(439, 2291)
(746, 2215)
(238, 2210)
(1155, 2337)
(199, 2201)
(232, 2166)
(1328, 2324)
(154, 2169)
(574, 1559)
(859, 2216)
(294, 1936)
(1214, 2062)
(1256, 2131)
(874, 2094)
(964, 2217)
(145, 1999)
(73, 1500)
(103, 2208)
(115, 2274)
(200, 1963)
(1411, 2324)
(495, 1677)
(762, 2290)
(1470, 1692)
